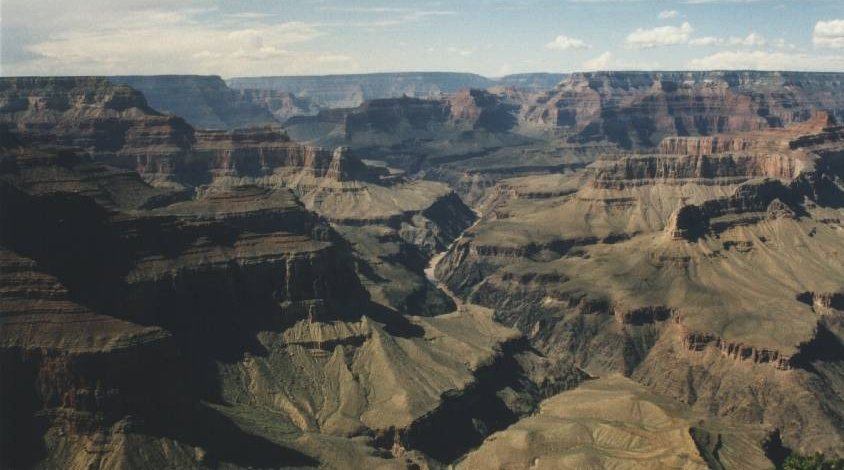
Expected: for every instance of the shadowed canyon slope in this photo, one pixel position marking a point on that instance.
(204, 102)
(613, 270)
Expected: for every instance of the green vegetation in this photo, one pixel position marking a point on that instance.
(814, 462)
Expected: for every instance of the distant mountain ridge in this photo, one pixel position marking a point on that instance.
(347, 91)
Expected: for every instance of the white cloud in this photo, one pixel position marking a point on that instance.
(751, 40)
(459, 51)
(783, 44)
(393, 16)
(564, 43)
(176, 41)
(668, 14)
(706, 41)
(829, 34)
(249, 15)
(762, 60)
(602, 62)
(661, 36)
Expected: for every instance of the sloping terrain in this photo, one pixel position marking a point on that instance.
(632, 270)
(471, 139)
(614, 422)
(707, 270)
(201, 316)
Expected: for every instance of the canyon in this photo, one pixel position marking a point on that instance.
(422, 270)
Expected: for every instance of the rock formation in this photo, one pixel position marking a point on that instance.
(615, 423)
(638, 109)
(425, 280)
(154, 311)
(283, 105)
(681, 268)
(347, 91)
(203, 101)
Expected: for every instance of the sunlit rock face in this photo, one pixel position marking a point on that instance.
(627, 269)
(686, 261)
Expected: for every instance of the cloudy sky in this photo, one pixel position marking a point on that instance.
(490, 37)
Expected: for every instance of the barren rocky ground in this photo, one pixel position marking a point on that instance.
(623, 270)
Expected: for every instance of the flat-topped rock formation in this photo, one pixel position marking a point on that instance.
(346, 91)
(111, 123)
(114, 125)
(639, 109)
(203, 101)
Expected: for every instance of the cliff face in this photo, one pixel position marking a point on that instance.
(419, 134)
(144, 329)
(283, 105)
(472, 139)
(117, 338)
(114, 125)
(203, 101)
(346, 91)
(638, 109)
(156, 321)
(195, 298)
(679, 268)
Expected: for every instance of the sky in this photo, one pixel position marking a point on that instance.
(488, 37)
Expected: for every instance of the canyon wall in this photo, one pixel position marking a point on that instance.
(347, 91)
(203, 101)
(638, 109)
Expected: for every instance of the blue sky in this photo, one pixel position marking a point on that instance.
(489, 37)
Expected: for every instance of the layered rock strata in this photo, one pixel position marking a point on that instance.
(674, 261)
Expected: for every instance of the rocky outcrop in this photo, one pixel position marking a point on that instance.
(478, 109)
(283, 105)
(610, 421)
(203, 101)
(118, 298)
(679, 169)
(749, 219)
(114, 125)
(69, 369)
(111, 123)
(346, 91)
(736, 351)
(638, 109)
(262, 151)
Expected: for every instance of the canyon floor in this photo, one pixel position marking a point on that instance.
(621, 270)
